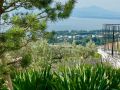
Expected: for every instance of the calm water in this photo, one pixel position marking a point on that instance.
(80, 24)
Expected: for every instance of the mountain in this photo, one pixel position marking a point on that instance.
(95, 12)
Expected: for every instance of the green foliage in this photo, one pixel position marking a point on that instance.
(49, 35)
(28, 22)
(97, 55)
(45, 8)
(67, 9)
(26, 60)
(13, 38)
(77, 78)
(2, 85)
(5, 17)
(34, 80)
(25, 27)
(44, 54)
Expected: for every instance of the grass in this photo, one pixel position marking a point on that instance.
(77, 78)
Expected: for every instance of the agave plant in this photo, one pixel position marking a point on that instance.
(77, 78)
(34, 80)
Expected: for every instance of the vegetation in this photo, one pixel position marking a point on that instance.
(80, 77)
(28, 60)
(26, 27)
(44, 55)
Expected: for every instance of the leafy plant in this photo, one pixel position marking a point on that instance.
(77, 78)
(26, 60)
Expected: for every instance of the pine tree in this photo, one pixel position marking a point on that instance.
(25, 25)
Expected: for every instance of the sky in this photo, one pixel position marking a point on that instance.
(113, 5)
(86, 23)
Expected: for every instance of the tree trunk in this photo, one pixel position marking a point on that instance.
(6, 74)
(8, 81)
(1, 7)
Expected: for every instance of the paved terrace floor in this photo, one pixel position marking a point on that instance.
(106, 57)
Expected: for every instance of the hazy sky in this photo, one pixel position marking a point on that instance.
(113, 5)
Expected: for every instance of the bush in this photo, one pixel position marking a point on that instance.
(26, 60)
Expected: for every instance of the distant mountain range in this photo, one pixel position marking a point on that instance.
(95, 12)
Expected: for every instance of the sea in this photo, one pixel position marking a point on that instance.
(74, 23)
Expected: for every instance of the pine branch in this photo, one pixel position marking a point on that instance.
(11, 5)
(17, 60)
(1, 6)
